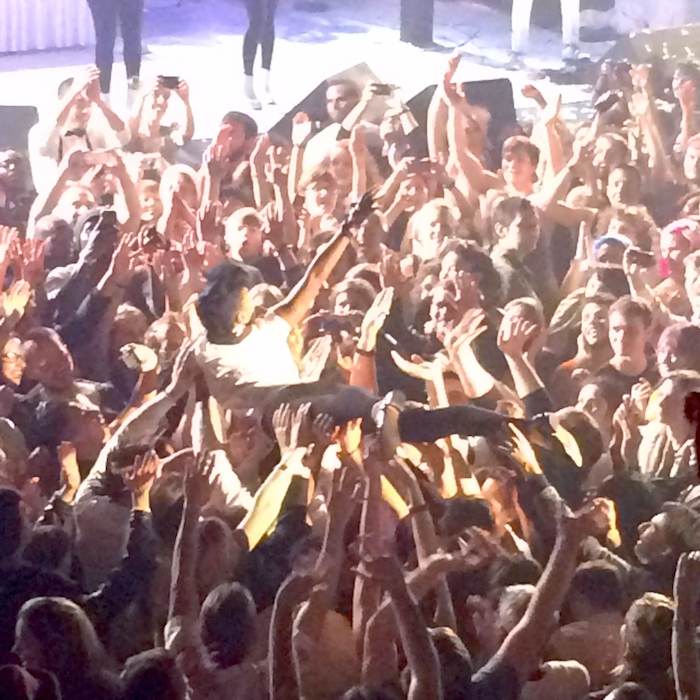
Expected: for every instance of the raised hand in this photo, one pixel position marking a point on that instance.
(374, 320)
(213, 161)
(32, 262)
(359, 212)
(552, 111)
(209, 227)
(292, 427)
(418, 368)
(15, 299)
(198, 477)
(139, 478)
(513, 335)
(301, 128)
(531, 92)
(472, 325)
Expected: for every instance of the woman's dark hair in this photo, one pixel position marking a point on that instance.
(599, 583)
(219, 300)
(48, 547)
(227, 622)
(152, 674)
(507, 209)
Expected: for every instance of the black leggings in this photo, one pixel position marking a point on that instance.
(261, 30)
(105, 15)
(345, 403)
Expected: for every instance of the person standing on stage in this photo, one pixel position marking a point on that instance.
(261, 31)
(105, 16)
(570, 28)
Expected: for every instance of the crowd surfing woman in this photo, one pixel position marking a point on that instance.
(284, 427)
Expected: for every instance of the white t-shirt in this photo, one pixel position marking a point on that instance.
(243, 373)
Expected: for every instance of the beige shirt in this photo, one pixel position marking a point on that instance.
(596, 643)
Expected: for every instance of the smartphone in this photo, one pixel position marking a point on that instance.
(640, 257)
(169, 81)
(383, 89)
(607, 101)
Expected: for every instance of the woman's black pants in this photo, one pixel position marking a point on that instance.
(106, 14)
(261, 32)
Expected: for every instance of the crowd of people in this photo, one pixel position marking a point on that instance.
(384, 410)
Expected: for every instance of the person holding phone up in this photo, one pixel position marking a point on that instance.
(82, 121)
(149, 132)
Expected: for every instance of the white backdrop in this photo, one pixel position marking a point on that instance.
(27, 25)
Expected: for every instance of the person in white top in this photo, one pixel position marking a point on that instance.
(83, 121)
(247, 361)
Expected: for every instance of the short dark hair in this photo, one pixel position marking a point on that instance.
(599, 583)
(250, 126)
(474, 259)
(224, 283)
(227, 622)
(522, 144)
(152, 674)
(633, 308)
(508, 208)
(464, 512)
(47, 547)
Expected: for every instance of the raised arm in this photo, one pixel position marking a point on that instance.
(184, 602)
(302, 297)
(422, 659)
(283, 682)
(522, 648)
(479, 179)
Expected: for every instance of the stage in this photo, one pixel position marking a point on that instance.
(201, 41)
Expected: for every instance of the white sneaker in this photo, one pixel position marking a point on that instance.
(267, 92)
(249, 91)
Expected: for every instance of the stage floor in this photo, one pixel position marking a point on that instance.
(201, 41)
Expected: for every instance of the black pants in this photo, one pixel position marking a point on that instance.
(345, 403)
(261, 31)
(105, 15)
